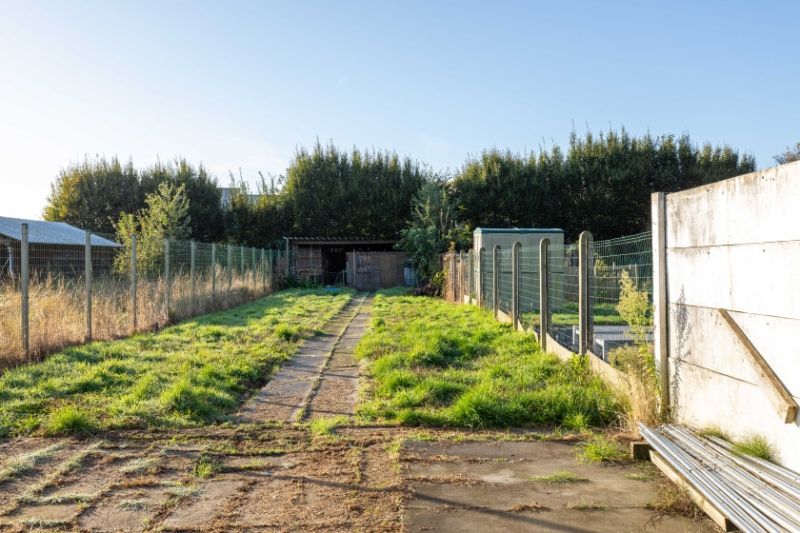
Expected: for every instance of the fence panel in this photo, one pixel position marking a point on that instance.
(504, 282)
(563, 294)
(174, 280)
(612, 261)
(487, 283)
(529, 287)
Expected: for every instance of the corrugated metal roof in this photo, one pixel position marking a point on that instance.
(40, 232)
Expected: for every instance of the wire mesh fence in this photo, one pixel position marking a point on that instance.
(58, 290)
(615, 265)
(504, 281)
(529, 287)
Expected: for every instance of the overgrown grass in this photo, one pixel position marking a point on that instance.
(435, 363)
(192, 373)
(321, 427)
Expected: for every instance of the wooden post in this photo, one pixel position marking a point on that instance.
(214, 274)
(87, 275)
(658, 207)
(134, 309)
(515, 284)
(584, 292)
(230, 268)
(167, 279)
(24, 286)
(253, 263)
(544, 304)
(453, 274)
(193, 275)
(495, 279)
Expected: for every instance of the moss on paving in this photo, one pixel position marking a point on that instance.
(193, 373)
(435, 363)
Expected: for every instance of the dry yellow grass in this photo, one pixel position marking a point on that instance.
(58, 316)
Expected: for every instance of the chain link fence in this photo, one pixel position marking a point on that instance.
(57, 291)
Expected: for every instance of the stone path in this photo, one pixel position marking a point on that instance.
(322, 373)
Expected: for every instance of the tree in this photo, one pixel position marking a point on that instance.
(93, 193)
(166, 216)
(432, 229)
(791, 154)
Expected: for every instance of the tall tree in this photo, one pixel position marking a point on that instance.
(92, 194)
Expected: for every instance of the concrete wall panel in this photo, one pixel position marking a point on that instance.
(756, 207)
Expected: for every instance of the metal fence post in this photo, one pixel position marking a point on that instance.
(213, 274)
(167, 279)
(515, 284)
(87, 275)
(192, 274)
(230, 268)
(660, 297)
(133, 284)
(584, 292)
(495, 279)
(24, 282)
(544, 305)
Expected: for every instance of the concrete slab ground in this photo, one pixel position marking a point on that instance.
(522, 486)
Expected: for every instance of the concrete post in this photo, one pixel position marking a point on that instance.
(470, 273)
(87, 275)
(193, 275)
(515, 284)
(544, 304)
(481, 295)
(167, 279)
(658, 206)
(584, 292)
(495, 279)
(134, 309)
(24, 286)
(213, 274)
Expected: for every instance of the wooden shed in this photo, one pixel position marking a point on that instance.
(363, 263)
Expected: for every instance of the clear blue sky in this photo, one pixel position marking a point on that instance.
(241, 84)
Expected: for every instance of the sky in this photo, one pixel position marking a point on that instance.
(240, 85)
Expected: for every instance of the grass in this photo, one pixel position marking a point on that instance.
(434, 363)
(321, 427)
(605, 314)
(193, 373)
(559, 478)
(206, 466)
(755, 446)
(600, 449)
(26, 462)
(57, 308)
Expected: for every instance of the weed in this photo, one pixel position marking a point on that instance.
(560, 478)
(138, 504)
(184, 491)
(206, 466)
(587, 506)
(713, 431)
(323, 427)
(672, 499)
(756, 446)
(599, 449)
(142, 465)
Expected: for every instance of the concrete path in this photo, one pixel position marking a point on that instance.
(303, 378)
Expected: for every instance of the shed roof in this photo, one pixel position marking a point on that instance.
(339, 240)
(518, 230)
(41, 232)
